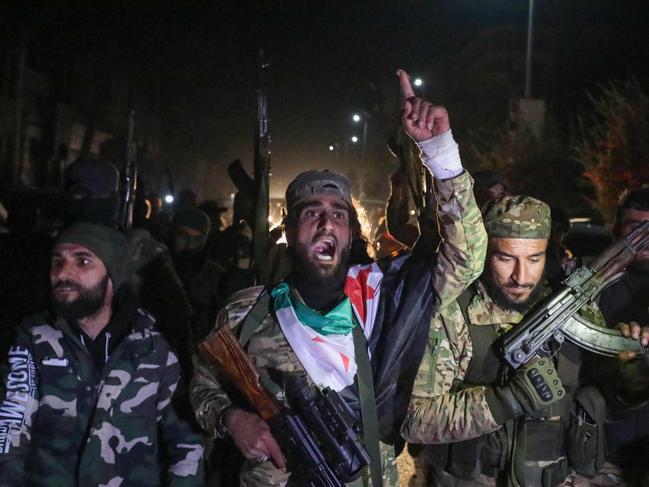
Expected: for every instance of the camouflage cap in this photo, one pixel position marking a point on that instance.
(517, 217)
(312, 183)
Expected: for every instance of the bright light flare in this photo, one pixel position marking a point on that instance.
(169, 199)
(418, 82)
(331, 148)
(366, 224)
(356, 117)
(354, 139)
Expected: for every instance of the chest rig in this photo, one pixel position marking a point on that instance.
(529, 451)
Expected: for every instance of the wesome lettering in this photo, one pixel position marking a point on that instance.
(20, 391)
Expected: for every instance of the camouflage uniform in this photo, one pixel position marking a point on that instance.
(63, 424)
(445, 409)
(449, 410)
(459, 261)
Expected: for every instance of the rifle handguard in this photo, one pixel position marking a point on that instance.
(552, 318)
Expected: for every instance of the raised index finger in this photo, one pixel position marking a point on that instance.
(406, 87)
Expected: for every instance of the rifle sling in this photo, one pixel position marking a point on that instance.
(368, 405)
(254, 318)
(369, 418)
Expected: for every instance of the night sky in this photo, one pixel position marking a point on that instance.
(327, 60)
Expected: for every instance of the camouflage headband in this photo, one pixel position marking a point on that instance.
(517, 217)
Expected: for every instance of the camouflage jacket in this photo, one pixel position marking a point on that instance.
(414, 286)
(443, 408)
(449, 402)
(62, 423)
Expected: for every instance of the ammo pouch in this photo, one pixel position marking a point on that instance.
(461, 459)
(467, 460)
(585, 439)
(539, 460)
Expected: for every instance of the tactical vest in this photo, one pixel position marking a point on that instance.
(530, 451)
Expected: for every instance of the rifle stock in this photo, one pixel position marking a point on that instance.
(306, 459)
(224, 350)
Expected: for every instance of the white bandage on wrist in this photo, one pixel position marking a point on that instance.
(440, 154)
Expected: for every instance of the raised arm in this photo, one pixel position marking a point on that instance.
(441, 409)
(463, 248)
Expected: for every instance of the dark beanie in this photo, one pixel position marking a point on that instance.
(94, 177)
(192, 218)
(109, 245)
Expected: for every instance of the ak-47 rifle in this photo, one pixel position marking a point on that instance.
(261, 177)
(129, 179)
(556, 318)
(316, 435)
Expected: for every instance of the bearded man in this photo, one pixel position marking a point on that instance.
(328, 315)
(90, 393)
(483, 424)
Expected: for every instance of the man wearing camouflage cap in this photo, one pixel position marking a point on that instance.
(328, 308)
(483, 424)
(90, 393)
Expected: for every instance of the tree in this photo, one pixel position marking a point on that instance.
(614, 145)
(539, 166)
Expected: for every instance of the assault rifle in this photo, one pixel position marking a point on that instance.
(261, 241)
(316, 434)
(129, 179)
(556, 318)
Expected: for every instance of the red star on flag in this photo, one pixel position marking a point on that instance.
(359, 292)
(345, 359)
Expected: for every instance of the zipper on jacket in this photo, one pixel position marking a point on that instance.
(106, 347)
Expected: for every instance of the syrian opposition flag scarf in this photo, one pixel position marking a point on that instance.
(323, 343)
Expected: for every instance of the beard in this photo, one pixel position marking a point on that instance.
(504, 301)
(318, 288)
(86, 304)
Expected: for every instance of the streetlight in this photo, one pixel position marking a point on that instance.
(357, 118)
(528, 60)
(354, 139)
(418, 82)
(169, 199)
(331, 148)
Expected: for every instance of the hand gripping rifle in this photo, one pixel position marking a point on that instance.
(316, 433)
(556, 318)
(130, 176)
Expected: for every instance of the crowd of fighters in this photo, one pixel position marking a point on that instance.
(105, 385)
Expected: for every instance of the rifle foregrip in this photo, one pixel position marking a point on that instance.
(224, 351)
